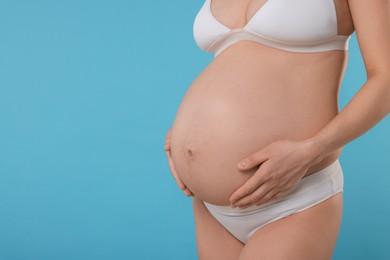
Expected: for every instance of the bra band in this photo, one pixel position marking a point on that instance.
(340, 42)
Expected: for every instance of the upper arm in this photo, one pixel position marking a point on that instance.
(371, 20)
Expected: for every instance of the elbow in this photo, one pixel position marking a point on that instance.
(387, 90)
(386, 86)
(386, 78)
(382, 80)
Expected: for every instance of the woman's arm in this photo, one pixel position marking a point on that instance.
(284, 162)
(372, 102)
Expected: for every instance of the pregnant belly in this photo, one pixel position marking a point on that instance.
(230, 112)
(213, 131)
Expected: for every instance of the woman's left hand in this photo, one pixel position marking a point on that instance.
(283, 165)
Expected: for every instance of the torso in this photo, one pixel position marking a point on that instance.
(249, 96)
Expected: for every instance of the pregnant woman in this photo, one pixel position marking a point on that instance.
(269, 100)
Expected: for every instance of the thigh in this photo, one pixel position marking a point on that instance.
(309, 234)
(213, 241)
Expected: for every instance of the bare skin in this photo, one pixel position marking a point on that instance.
(242, 91)
(249, 80)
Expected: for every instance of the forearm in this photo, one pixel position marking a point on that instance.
(369, 106)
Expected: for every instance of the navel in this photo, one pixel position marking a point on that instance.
(190, 150)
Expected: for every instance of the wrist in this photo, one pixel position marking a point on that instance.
(315, 149)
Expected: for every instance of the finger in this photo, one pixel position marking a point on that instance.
(253, 160)
(266, 198)
(191, 193)
(254, 196)
(168, 140)
(180, 183)
(167, 144)
(277, 195)
(249, 186)
(188, 192)
(270, 197)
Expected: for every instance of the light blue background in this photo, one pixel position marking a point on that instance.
(88, 90)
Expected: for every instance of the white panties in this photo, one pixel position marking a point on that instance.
(310, 190)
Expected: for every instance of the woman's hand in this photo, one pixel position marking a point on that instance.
(167, 149)
(283, 165)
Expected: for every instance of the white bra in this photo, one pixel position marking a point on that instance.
(291, 25)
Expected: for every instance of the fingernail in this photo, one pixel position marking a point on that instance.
(242, 164)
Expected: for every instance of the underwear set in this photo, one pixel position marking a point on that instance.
(290, 25)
